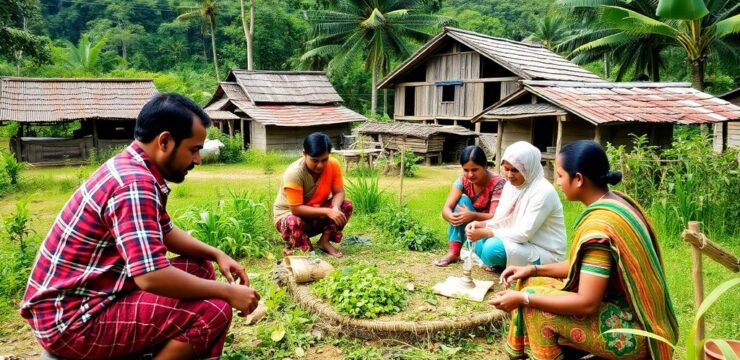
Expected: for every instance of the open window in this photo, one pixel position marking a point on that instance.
(448, 93)
(409, 99)
(543, 132)
(491, 93)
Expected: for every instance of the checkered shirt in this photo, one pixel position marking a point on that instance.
(111, 230)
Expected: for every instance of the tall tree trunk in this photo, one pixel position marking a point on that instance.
(385, 101)
(123, 50)
(374, 92)
(606, 66)
(213, 47)
(697, 74)
(697, 60)
(655, 66)
(248, 31)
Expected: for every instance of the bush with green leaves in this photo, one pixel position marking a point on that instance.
(15, 266)
(398, 223)
(361, 291)
(11, 166)
(231, 153)
(391, 164)
(237, 225)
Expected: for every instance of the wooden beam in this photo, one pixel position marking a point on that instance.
(696, 271)
(499, 140)
(724, 135)
(711, 249)
(597, 134)
(244, 134)
(95, 134)
(477, 131)
(466, 81)
(558, 146)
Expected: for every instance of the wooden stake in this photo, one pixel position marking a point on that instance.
(696, 270)
(403, 166)
(499, 143)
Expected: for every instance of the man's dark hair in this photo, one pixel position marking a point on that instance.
(168, 112)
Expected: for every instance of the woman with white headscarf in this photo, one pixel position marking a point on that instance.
(528, 226)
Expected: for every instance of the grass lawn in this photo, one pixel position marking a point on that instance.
(47, 189)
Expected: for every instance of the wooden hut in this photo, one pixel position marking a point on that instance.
(458, 73)
(727, 133)
(439, 142)
(275, 110)
(106, 108)
(549, 114)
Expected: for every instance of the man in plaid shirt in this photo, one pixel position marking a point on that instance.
(102, 285)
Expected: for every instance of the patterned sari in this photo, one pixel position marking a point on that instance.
(628, 237)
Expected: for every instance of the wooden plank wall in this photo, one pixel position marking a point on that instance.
(291, 138)
(257, 136)
(733, 135)
(516, 130)
(575, 128)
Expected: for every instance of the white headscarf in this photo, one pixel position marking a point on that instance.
(526, 158)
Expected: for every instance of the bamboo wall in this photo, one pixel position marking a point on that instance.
(59, 150)
(733, 135)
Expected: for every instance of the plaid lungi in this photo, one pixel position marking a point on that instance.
(140, 320)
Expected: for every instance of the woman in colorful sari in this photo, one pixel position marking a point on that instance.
(613, 278)
(311, 199)
(473, 197)
(528, 226)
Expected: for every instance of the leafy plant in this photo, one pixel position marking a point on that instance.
(392, 164)
(11, 166)
(366, 195)
(419, 238)
(14, 269)
(361, 291)
(16, 227)
(693, 348)
(232, 151)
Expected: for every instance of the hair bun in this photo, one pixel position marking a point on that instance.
(613, 177)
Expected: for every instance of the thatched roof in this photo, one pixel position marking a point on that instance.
(528, 61)
(312, 105)
(412, 129)
(58, 100)
(285, 87)
(601, 103)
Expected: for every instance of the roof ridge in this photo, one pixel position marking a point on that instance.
(280, 72)
(473, 33)
(606, 84)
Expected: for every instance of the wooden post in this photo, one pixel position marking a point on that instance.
(231, 128)
(696, 271)
(558, 146)
(597, 134)
(95, 135)
(403, 165)
(477, 131)
(724, 135)
(19, 156)
(244, 134)
(499, 141)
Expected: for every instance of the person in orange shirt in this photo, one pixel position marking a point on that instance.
(311, 200)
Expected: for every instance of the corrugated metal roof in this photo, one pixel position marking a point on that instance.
(541, 109)
(56, 100)
(412, 129)
(299, 115)
(601, 103)
(528, 61)
(286, 87)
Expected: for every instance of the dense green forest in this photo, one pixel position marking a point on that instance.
(170, 40)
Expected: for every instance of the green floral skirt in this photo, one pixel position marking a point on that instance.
(540, 334)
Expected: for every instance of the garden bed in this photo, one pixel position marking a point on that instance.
(424, 315)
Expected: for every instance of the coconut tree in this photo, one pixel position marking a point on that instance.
(549, 32)
(593, 40)
(205, 12)
(85, 57)
(377, 30)
(248, 29)
(699, 37)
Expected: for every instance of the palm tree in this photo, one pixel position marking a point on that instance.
(378, 30)
(549, 32)
(699, 38)
(593, 40)
(86, 56)
(248, 30)
(206, 12)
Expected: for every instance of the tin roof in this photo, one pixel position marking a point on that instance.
(412, 129)
(298, 115)
(58, 100)
(286, 87)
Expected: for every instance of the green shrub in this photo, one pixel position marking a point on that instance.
(392, 164)
(11, 166)
(419, 238)
(361, 291)
(231, 152)
(365, 193)
(5, 185)
(15, 266)
(397, 223)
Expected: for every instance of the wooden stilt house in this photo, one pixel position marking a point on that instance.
(276, 110)
(727, 133)
(106, 108)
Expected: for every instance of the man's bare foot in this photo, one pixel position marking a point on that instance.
(287, 252)
(328, 249)
(447, 260)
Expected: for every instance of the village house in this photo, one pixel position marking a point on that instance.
(276, 110)
(727, 133)
(106, 108)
